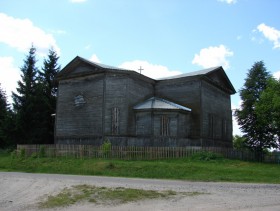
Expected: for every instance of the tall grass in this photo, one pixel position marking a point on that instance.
(197, 168)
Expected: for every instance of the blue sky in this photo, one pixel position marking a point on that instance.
(165, 37)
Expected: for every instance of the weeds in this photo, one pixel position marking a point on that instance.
(201, 167)
(22, 154)
(106, 196)
(206, 156)
(106, 147)
(42, 151)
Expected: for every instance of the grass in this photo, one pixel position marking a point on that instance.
(193, 169)
(105, 196)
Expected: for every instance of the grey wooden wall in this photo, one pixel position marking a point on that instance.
(216, 104)
(187, 93)
(84, 120)
(138, 91)
(85, 105)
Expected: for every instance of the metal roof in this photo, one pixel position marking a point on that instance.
(104, 65)
(67, 72)
(159, 103)
(195, 73)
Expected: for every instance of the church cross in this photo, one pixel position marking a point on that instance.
(140, 69)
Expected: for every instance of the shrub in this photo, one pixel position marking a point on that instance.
(206, 155)
(42, 151)
(110, 165)
(22, 153)
(106, 147)
(14, 154)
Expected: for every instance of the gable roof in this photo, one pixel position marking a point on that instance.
(104, 66)
(195, 73)
(69, 71)
(214, 75)
(159, 103)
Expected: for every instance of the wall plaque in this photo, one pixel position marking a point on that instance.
(79, 100)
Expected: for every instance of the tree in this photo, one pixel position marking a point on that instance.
(49, 88)
(3, 103)
(239, 142)
(24, 102)
(268, 109)
(3, 114)
(257, 134)
(7, 123)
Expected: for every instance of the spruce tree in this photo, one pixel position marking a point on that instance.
(3, 115)
(49, 87)
(24, 101)
(257, 135)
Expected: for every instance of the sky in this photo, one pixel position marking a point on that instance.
(164, 37)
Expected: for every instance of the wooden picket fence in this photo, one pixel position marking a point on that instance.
(134, 153)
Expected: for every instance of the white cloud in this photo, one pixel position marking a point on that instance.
(277, 75)
(78, 1)
(87, 47)
(213, 56)
(94, 58)
(59, 32)
(9, 75)
(271, 34)
(150, 70)
(21, 33)
(239, 37)
(228, 1)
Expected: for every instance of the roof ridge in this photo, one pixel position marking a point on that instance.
(101, 65)
(192, 73)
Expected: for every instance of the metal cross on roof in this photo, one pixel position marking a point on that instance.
(140, 69)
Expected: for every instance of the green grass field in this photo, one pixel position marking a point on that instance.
(192, 169)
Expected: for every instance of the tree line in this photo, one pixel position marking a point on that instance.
(30, 120)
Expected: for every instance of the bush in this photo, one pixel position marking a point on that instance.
(206, 155)
(106, 147)
(42, 151)
(22, 153)
(110, 165)
(14, 154)
(34, 155)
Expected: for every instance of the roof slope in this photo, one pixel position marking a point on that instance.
(214, 75)
(195, 73)
(73, 70)
(159, 103)
(104, 66)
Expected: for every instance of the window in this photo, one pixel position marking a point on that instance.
(115, 121)
(164, 126)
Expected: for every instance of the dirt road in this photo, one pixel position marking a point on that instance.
(22, 191)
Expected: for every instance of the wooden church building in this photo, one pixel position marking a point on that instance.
(97, 102)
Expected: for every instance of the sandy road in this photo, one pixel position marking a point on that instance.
(21, 191)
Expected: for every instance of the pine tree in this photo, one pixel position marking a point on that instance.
(24, 102)
(3, 114)
(49, 87)
(257, 135)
